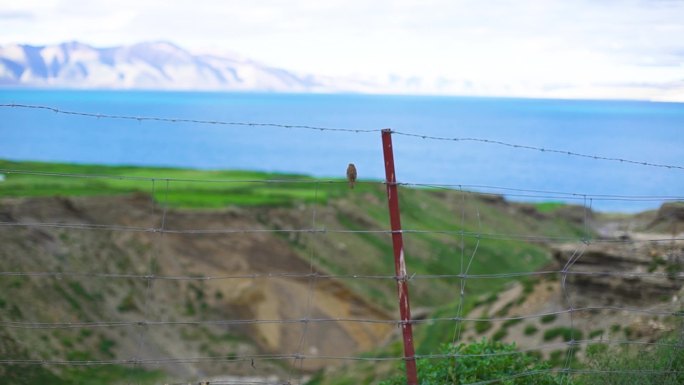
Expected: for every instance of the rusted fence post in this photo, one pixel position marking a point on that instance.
(399, 263)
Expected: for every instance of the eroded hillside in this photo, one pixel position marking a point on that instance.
(224, 291)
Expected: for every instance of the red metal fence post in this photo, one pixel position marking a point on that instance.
(399, 263)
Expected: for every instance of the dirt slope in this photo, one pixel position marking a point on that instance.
(641, 272)
(131, 252)
(95, 299)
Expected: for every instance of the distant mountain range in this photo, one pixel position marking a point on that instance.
(165, 66)
(157, 65)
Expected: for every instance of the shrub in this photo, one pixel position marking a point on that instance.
(548, 318)
(557, 357)
(528, 285)
(635, 365)
(106, 346)
(128, 303)
(504, 310)
(595, 333)
(530, 330)
(500, 334)
(594, 350)
(512, 322)
(487, 300)
(482, 326)
(481, 361)
(567, 333)
(628, 332)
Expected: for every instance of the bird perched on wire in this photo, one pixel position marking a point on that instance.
(351, 175)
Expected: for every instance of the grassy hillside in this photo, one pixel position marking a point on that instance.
(242, 188)
(452, 232)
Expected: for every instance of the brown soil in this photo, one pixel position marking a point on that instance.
(93, 299)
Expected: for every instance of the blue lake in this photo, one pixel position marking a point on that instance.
(643, 131)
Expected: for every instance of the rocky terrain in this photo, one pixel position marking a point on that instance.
(632, 265)
(90, 297)
(89, 279)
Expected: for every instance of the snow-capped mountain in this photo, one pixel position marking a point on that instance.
(163, 65)
(157, 65)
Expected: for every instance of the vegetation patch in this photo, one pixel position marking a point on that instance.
(108, 375)
(548, 207)
(80, 291)
(530, 330)
(483, 361)
(73, 302)
(595, 333)
(512, 322)
(557, 357)
(128, 304)
(504, 310)
(482, 326)
(662, 364)
(528, 285)
(499, 335)
(568, 334)
(105, 346)
(489, 299)
(185, 188)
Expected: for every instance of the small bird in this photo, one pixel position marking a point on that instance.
(351, 175)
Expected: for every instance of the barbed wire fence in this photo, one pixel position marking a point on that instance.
(162, 224)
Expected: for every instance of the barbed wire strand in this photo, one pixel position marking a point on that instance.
(483, 189)
(539, 149)
(152, 259)
(310, 294)
(537, 193)
(348, 130)
(458, 326)
(636, 372)
(421, 321)
(461, 293)
(459, 310)
(286, 357)
(180, 120)
(294, 275)
(570, 352)
(468, 234)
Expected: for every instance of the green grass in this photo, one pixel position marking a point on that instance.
(595, 333)
(500, 334)
(482, 326)
(110, 375)
(238, 188)
(498, 363)
(484, 361)
(568, 334)
(547, 207)
(635, 365)
(512, 322)
(530, 330)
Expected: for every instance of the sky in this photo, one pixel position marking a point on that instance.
(569, 46)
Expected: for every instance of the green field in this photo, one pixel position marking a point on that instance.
(179, 187)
